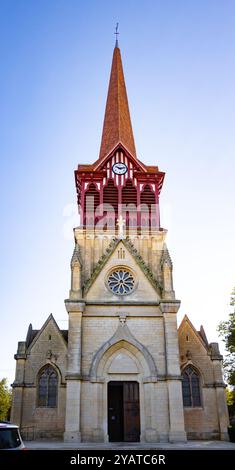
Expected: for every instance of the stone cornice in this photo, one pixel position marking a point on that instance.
(73, 377)
(86, 378)
(170, 377)
(31, 385)
(74, 305)
(219, 357)
(150, 379)
(214, 385)
(80, 232)
(170, 306)
(20, 385)
(134, 314)
(122, 302)
(20, 356)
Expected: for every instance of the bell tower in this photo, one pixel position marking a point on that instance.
(118, 183)
(122, 307)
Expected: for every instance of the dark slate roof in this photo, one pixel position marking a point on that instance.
(30, 335)
(65, 335)
(202, 333)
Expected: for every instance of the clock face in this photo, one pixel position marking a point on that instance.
(119, 168)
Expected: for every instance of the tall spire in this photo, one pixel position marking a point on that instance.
(117, 126)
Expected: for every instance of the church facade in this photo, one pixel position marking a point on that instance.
(122, 371)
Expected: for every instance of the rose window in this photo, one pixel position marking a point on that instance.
(121, 281)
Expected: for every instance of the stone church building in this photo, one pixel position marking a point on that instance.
(122, 371)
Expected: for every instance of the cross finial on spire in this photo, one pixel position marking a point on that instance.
(117, 33)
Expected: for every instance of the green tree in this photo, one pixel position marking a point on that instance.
(226, 330)
(5, 400)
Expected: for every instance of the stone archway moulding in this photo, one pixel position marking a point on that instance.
(123, 338)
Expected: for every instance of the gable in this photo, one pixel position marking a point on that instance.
(189, 339)
(193, 350)
(123, 158)
(48, 338)
(48, 347)
(120, 154)
(122, 258)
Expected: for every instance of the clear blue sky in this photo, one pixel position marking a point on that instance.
(179, 63)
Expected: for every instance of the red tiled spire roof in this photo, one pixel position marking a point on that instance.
(117, 122)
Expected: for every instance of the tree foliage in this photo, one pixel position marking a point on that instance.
(226, 330)
(5, 400)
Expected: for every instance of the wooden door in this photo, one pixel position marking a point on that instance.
(131, 412)
(115, 411)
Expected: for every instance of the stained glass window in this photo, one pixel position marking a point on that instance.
(191, 388)
(121, 281)
(47, 387)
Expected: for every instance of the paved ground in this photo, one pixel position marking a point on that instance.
(197, 445)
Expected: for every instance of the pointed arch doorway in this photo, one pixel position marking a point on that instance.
(123, 411)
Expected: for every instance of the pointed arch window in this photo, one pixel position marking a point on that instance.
(129, 204)
(148, 207)
(92, 201)
(191, 387)
(48, 387)
(110, 204)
